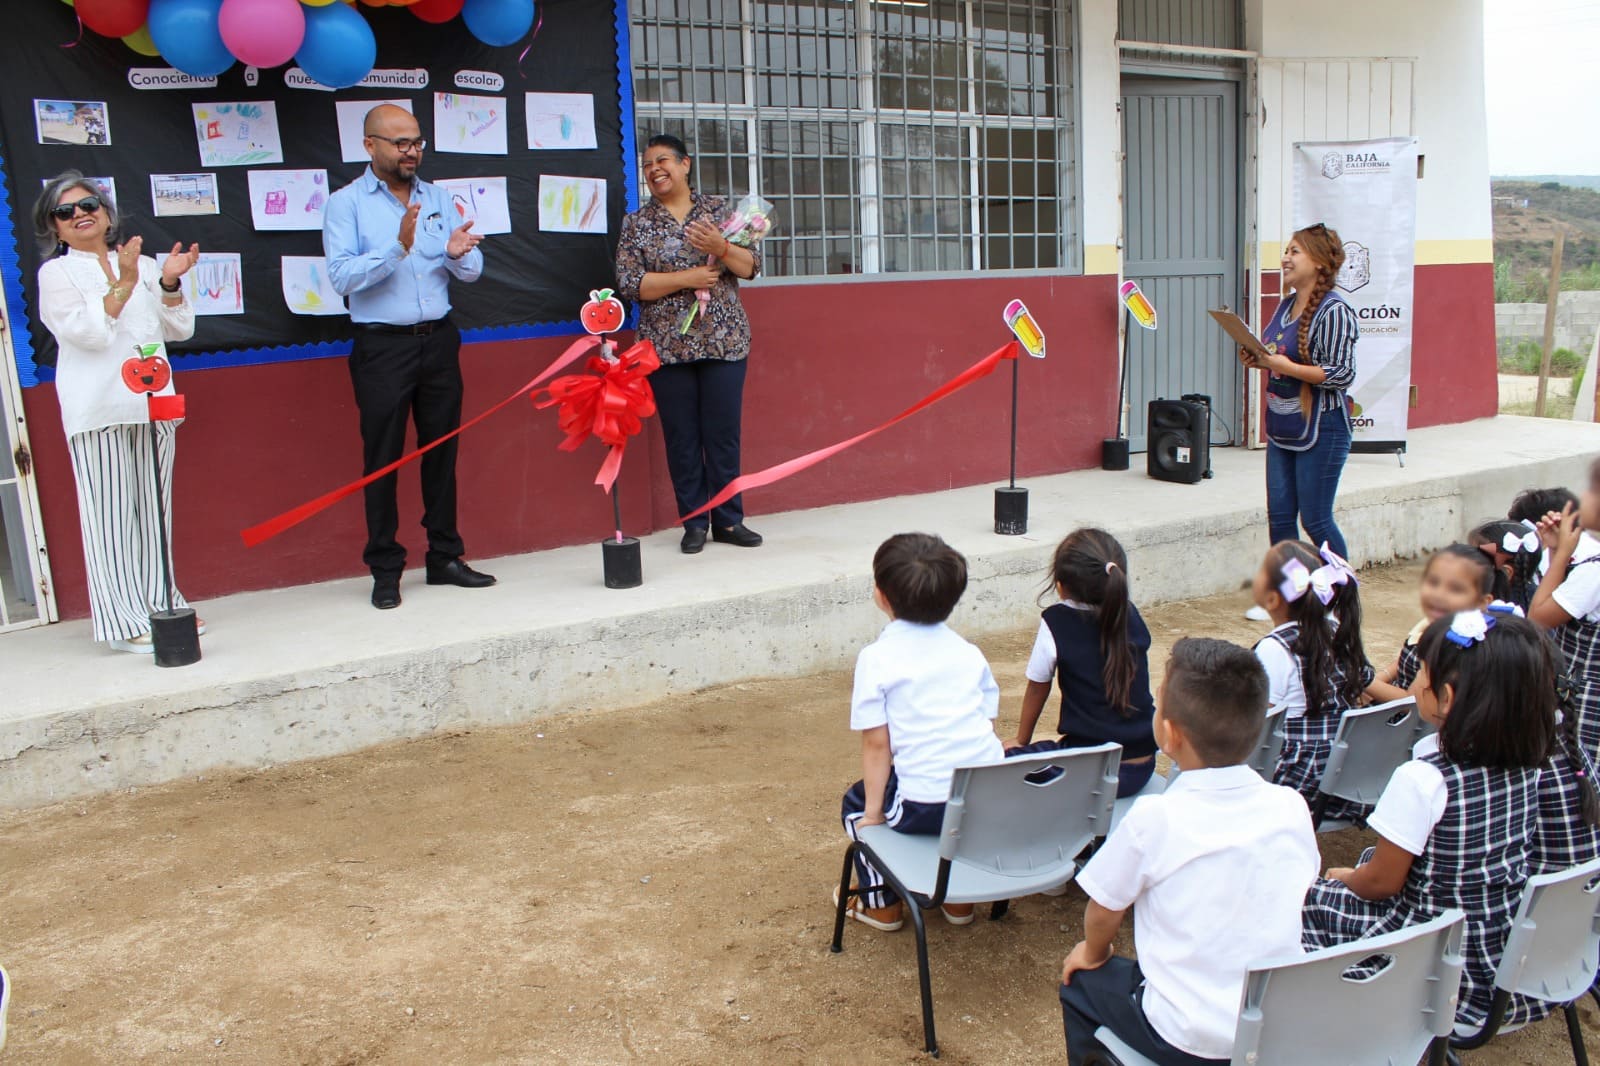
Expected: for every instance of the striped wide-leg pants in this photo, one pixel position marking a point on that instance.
(117, 513)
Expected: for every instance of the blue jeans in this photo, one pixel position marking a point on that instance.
(1301, 485)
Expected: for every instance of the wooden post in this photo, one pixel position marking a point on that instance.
(1551, 299)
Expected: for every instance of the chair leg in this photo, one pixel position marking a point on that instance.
(1575, 1034)
(924, 978)
(844, 900)
(1319, 807)
(998, 909)
(1595, 992)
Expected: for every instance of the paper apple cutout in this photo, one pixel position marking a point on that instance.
(603, 313)
(146, 372)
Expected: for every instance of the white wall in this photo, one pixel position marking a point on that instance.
(1446, 38)
(1099, 94)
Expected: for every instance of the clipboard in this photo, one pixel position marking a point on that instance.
(1235, 327)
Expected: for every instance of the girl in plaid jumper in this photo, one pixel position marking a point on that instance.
(1568, 604)
(1304, 674)
(1457, 578)
(1455, 823)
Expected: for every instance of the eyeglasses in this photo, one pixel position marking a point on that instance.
(404, 144)
(64, 212)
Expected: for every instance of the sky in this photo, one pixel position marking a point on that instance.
(1542, 83)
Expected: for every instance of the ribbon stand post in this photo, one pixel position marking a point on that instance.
(1011, 502)
(1114, 450)
(620, 558)
(174, 633)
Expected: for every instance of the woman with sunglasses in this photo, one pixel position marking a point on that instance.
(1310, 363)
(101, 299)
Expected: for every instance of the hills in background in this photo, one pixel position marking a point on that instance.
(1527, 213)
(1581, 181)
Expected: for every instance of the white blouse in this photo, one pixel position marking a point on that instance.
(72, 290)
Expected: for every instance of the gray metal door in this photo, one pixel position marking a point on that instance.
(1181, 196)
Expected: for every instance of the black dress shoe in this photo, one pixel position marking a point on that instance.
(456, 572)
(740, 535)
(385, 594)
(694, 540)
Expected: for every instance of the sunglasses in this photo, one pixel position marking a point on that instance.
(403, 145)
(64, 212)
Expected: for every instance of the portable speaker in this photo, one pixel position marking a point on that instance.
(1179, 446)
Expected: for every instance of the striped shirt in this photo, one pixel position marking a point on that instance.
(1332, 346)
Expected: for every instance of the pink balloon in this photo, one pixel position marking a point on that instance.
(262, 33)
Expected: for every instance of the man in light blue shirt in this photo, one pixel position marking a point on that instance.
(391, 253)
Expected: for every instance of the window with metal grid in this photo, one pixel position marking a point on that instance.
(890, 135)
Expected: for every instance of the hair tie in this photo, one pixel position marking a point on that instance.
(1469, 627)
(1512, 544)
(1110, 567)
(1296, 579)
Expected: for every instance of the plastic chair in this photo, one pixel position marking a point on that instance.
(1371, 744)
(1011, 828)
(1265, 760)
(1306, 1010)
(1551, 953)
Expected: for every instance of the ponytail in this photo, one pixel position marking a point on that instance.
(1091, 567)
(1349, 653)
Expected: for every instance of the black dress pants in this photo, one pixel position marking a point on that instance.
(700, 405)
(397, 375)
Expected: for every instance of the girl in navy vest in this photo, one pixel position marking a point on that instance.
(1305, 675)
(1455, 824)
(1311, 361)
(1097, 646)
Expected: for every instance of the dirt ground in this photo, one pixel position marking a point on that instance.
(592, 888)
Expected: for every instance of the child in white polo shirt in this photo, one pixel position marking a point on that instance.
(1217, 868)
(924, 704)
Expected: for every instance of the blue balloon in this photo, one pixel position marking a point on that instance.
(339, 48)
(498, 22)
(185, 33)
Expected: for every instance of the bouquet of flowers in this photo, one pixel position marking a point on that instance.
(751, 220)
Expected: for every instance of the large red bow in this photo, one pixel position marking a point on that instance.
(610, 403)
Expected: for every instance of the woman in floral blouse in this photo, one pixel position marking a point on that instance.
(662, 258)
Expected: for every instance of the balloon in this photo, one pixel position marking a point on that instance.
(498, 22)
(436, 10)
(185, 32)
(262, 33)
(139, 40)
(113, 18)
(339, 48)
(317, 3)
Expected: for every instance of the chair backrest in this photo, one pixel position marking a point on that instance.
(1555, 938)
(1321, 1009)
(1030, 812)
(1370, 746)
(1265, 760)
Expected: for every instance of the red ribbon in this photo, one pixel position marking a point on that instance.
(611, 406)
(982, 368)
(293, 517)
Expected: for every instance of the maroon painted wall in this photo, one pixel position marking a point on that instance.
(830, 360)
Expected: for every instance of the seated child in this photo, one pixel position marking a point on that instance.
(1181, 859)
(1569, 807)
(1518, 556)
(1455, 824)
(1097, 644)
(1532, 506)
(1567, 603)
(1296, 588)
(923, 703)
(1457, 578)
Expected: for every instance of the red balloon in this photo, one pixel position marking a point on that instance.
(437, 10)
(113, 18)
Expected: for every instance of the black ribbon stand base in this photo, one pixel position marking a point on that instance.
(1114, 453)
(623, 565)
(176, 636)
(1011, 511)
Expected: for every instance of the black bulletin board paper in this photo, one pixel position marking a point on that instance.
(533, 283)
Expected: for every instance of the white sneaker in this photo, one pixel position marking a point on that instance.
(1258, 614)
(139, 645)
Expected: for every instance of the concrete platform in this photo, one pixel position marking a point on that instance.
(314, 671)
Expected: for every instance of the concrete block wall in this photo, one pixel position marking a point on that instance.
(1577, 321)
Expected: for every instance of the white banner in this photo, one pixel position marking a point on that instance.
(1367, 192)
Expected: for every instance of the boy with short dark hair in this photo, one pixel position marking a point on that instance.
(923, 703)
(1218, 865)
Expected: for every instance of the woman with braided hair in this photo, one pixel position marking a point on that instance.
(1311, 361)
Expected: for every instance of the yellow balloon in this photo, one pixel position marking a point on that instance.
(139, 40)
(316, 3)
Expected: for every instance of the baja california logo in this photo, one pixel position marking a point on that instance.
(1332, 165)
(1357, 269)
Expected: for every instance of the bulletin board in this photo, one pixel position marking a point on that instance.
(537, 142)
